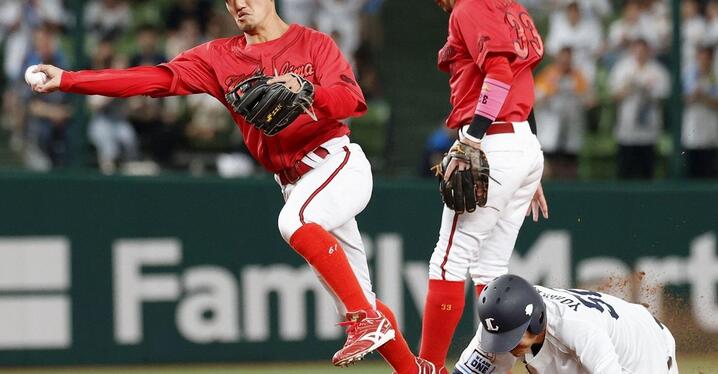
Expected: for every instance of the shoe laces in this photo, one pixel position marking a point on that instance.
(350, 325)
(353, 324)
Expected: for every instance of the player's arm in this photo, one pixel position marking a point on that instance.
(491, 52)
(337, 94)
(496, 85)
(188, 73)
(475, 360)
(494, 91)
(592, 345)
(146, 80)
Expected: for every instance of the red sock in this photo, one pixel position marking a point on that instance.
(479, 288)
(396, 352)
(322, 251)
(442, 312)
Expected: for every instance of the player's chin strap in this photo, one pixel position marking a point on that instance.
(309, 111)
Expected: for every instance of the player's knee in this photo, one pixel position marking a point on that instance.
(288, 223)
(447, 271)
(485, 274)
(434, 271)
(485, 278)
(447, 267)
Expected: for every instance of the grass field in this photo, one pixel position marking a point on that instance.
(689, 364)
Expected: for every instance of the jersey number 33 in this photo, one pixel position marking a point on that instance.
(527, 35)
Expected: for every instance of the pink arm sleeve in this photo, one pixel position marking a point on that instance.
(496, 86)
(494, 91)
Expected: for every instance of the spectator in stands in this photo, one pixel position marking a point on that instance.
(596, 10)
(48, 117)
(213, 141)
(711, 37)
(151, 118)
(177, 110)
(569, 28)
(147, 51)
(158, 124)
(340, 18)
(562, 94)
(209, 128)
(220, 26)
(372, 30)
(302, 12)
(656, 14)
(438, 142)
(107, 18)
(187, 36)
(109, 131)
(638, 83)
(631, 25)
(693, 32)
(18, 19)
(199, 10)
(372, 129)
(700, 118)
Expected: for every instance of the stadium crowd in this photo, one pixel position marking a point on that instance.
(602, 91)
(620, 64)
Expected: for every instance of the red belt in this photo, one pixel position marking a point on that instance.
(292, 174)
(500, 128)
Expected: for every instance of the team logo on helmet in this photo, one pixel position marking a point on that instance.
(490, 325)
(529, 309)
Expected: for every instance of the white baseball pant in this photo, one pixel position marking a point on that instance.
(480, 243)
(332, 195)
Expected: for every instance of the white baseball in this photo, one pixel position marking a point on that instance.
(33, 78)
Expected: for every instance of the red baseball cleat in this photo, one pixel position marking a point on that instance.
(366, 331)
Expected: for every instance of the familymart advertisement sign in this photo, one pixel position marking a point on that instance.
(211, 305)
(121, 289)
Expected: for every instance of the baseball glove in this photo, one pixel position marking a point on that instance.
(270, 107)
(464, 189)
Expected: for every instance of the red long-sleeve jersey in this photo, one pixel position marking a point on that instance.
(216, 66)
(483, 36)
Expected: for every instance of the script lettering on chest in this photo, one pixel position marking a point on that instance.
(234, 79)
(304, 70)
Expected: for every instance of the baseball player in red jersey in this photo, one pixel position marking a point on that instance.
(489, 54)
(325, 180)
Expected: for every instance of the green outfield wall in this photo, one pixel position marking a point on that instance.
(134, 270)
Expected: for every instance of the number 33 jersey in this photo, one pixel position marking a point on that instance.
(586, 333)
(477, 29)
